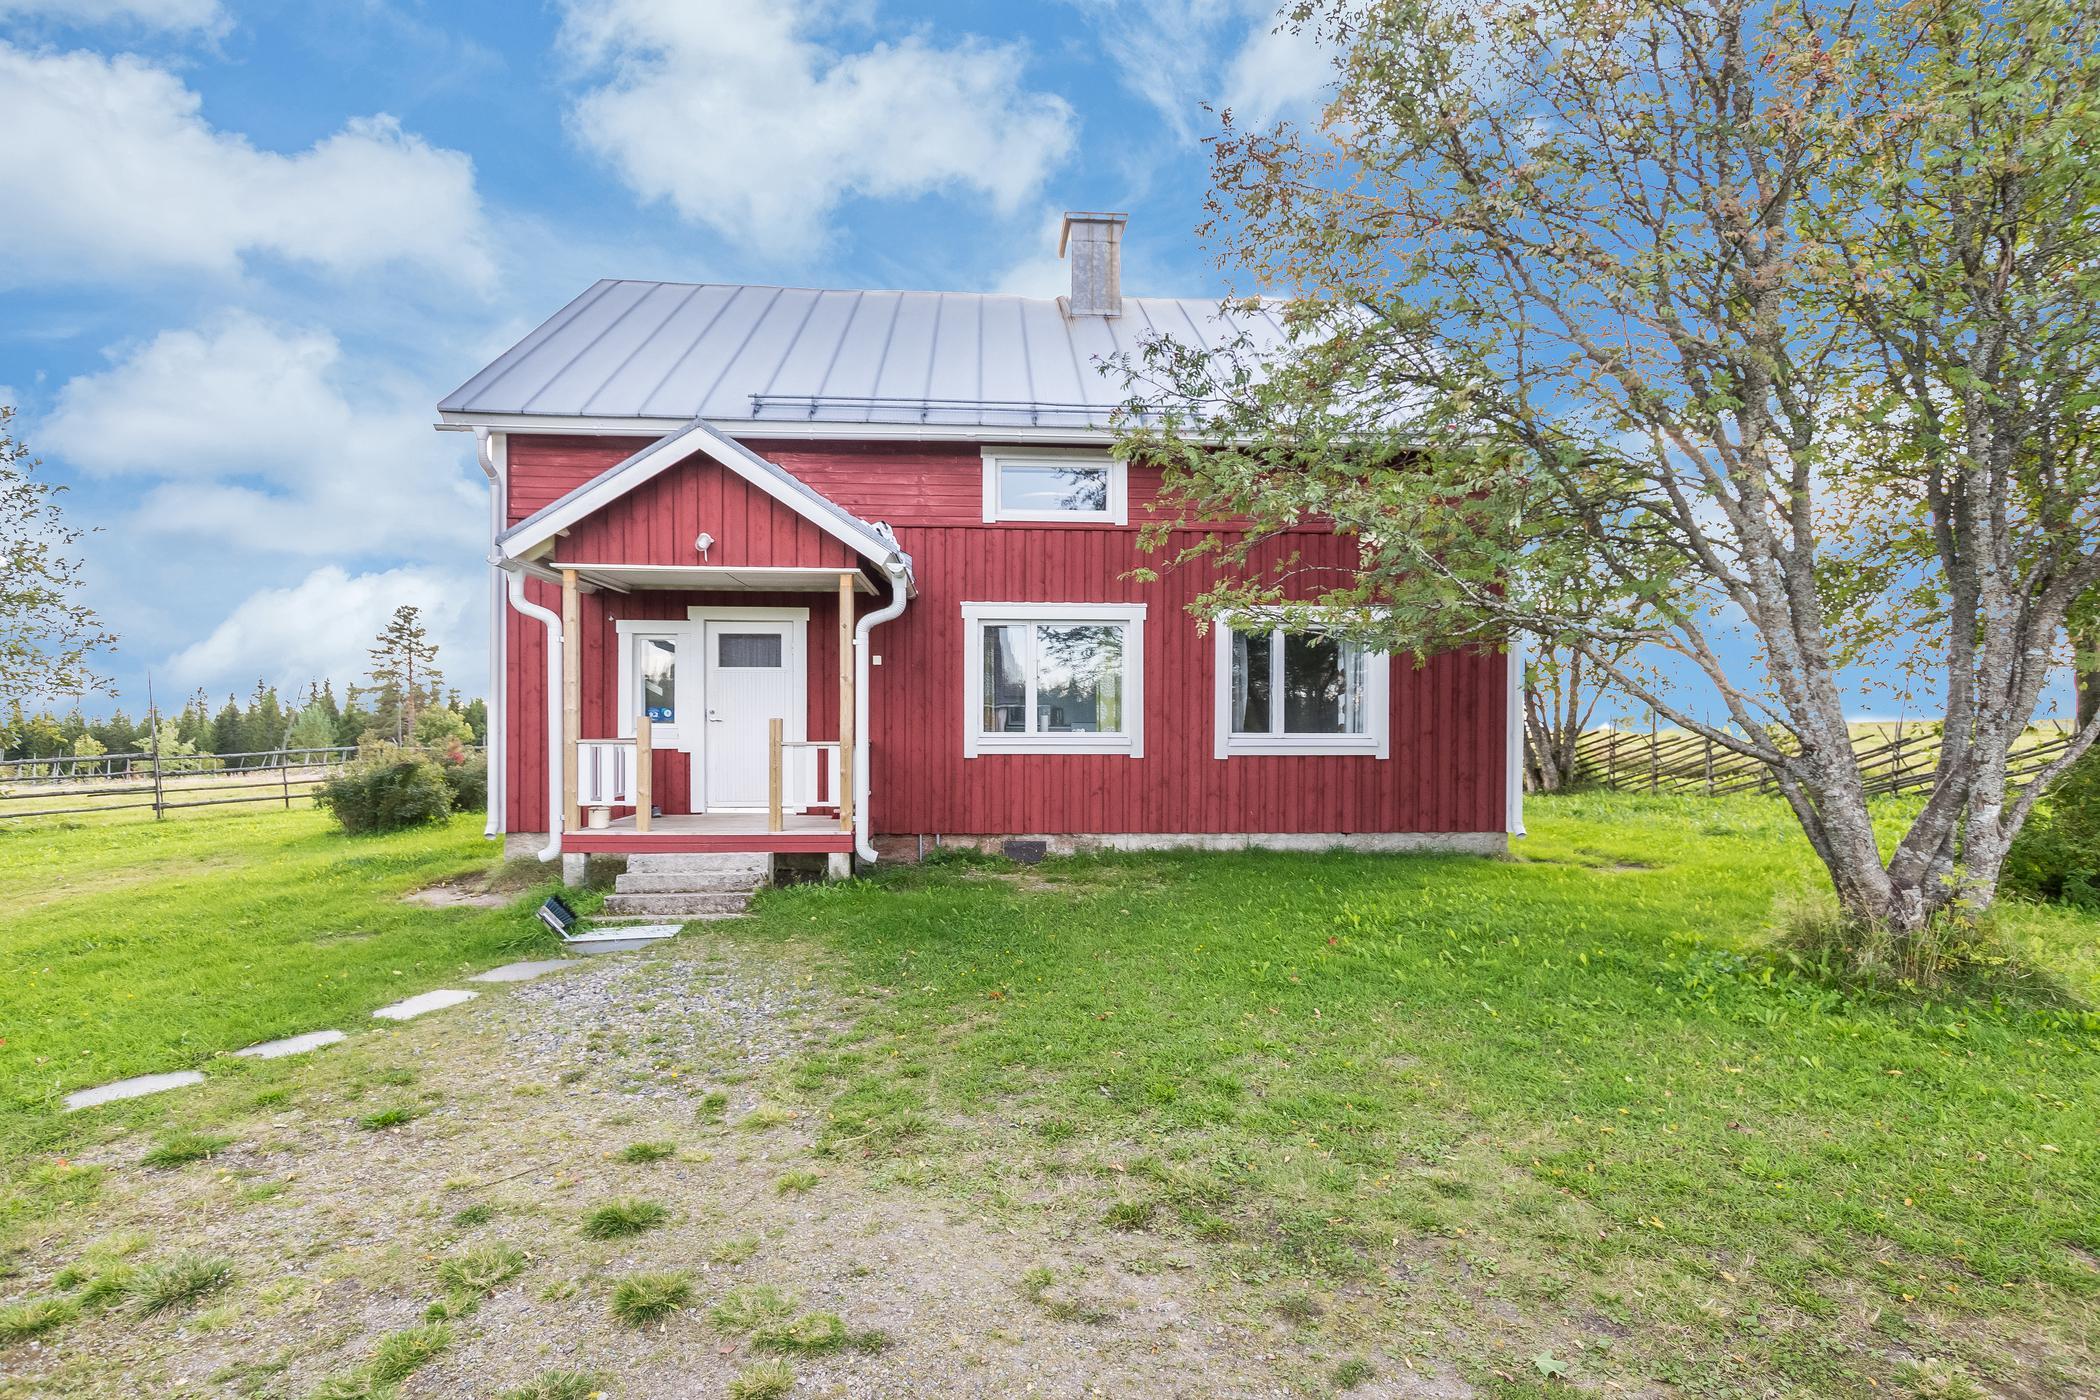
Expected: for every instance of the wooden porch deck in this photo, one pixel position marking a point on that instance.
(713, 831)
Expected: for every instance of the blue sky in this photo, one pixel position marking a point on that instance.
(251, 244)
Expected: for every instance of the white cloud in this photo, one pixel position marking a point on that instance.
(737, 115)
(269, 438)
(151, 14)
(1277, 73)
(113, 171)
(1180, 55)
(322, 626)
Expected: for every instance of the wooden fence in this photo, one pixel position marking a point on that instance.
(69, 786)
(1893, 758)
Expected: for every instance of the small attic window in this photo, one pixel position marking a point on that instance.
(1051, 486)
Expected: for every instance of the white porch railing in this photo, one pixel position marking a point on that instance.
(801, 773)
(605, 770)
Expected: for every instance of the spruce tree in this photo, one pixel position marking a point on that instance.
(404, 670)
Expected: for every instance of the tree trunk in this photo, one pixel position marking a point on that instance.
(2087, 673)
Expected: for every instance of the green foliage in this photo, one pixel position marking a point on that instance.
(392, 1116)
(2057, 853)
(48, 636)
(1353, 1373)
(751, 1307)
(403, 1353)
(466, 779)
(469, 1277)
(621, 1218)
(34, 1317)
(560, 1385)
(640, 1299)
(387, 790)
(313, 728)
(638, 1152)
(440, 727)
(809, 1334)
(178, 1282)
(184, 1148)
(762, 1380)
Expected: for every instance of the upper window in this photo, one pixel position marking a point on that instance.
(1053, 678)
(1021, 485)
(1284, 692)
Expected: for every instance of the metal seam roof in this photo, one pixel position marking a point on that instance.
(614, 351)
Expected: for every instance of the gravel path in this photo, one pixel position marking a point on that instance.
(521, 1102)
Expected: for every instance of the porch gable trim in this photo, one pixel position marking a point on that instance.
(541, 527)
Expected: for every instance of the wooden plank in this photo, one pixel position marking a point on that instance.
(773, 737)
(644, 762)
(571, 696)
(846, 702)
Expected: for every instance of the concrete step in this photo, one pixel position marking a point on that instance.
(757, 864)
(682, 906)
(687, 882)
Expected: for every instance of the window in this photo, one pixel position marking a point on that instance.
(1284, 692)
(656, 663)
(747, 649)
(1053, 678)
(1051, 485)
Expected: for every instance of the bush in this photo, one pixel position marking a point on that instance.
(438, 726)
(2057, 853)
(386, 790)
(467, 778)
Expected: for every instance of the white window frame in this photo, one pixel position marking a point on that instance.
(1374, 742)
(629, 631)
(1117, 511)
(977, 616)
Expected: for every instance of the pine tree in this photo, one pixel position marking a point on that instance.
(314, 728)
(226, 728)
(326, 700)
(404, 670)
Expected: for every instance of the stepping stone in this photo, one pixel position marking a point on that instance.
(417, 1005)
(524, 971)
(131, 1088)
(291, 1045)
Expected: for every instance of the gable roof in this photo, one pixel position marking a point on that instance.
(737, 355)
(871, 542)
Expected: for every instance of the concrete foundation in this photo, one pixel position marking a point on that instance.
(1472, 843)
(575, 867)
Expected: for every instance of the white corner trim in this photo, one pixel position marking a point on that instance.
(1130, 743)
(1374, 742)
(1118, 512)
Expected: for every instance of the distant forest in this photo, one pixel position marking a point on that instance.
(313, 720)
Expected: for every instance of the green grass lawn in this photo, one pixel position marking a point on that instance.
(1426, 1089)
(1561, 1111)
(135, 947)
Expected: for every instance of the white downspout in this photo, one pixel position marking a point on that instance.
(552, 623)
(900, 586)
(496, 750)
(1513, 801)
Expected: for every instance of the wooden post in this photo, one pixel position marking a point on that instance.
(644, 763)
(1709, 766)
(571, 696)
(773, 728)
(1654, 756)
(846, 702)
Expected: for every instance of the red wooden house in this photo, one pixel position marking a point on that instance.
(822, 571)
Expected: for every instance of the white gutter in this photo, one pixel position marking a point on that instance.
(552, 623)
(495, 748)
(899, 571)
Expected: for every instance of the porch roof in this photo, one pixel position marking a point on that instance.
(631, 578)
(532, 538)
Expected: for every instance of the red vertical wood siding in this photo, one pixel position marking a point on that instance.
(1445, 772)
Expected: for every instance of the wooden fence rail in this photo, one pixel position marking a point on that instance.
(55, 787)
(1675, 761)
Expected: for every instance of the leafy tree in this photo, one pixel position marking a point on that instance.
(48, 637)
(404, 670)
(88, 746)
(1783, 318)
(314, 728)
(441, 726)
(477, 715)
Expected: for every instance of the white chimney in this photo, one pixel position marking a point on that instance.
(1094, 242)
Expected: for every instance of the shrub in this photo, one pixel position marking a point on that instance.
(21, 1321)
(762, 1381)
(630, 1217)
(440, 726)
(385, 790)
(180, 1281)
(2057, 853)
(467, 778)
(644, 1298)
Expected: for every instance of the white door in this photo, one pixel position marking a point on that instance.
(750, 681)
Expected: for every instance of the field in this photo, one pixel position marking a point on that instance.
(1390, 1126)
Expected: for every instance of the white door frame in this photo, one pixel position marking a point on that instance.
(795, 663)
(690, 734)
